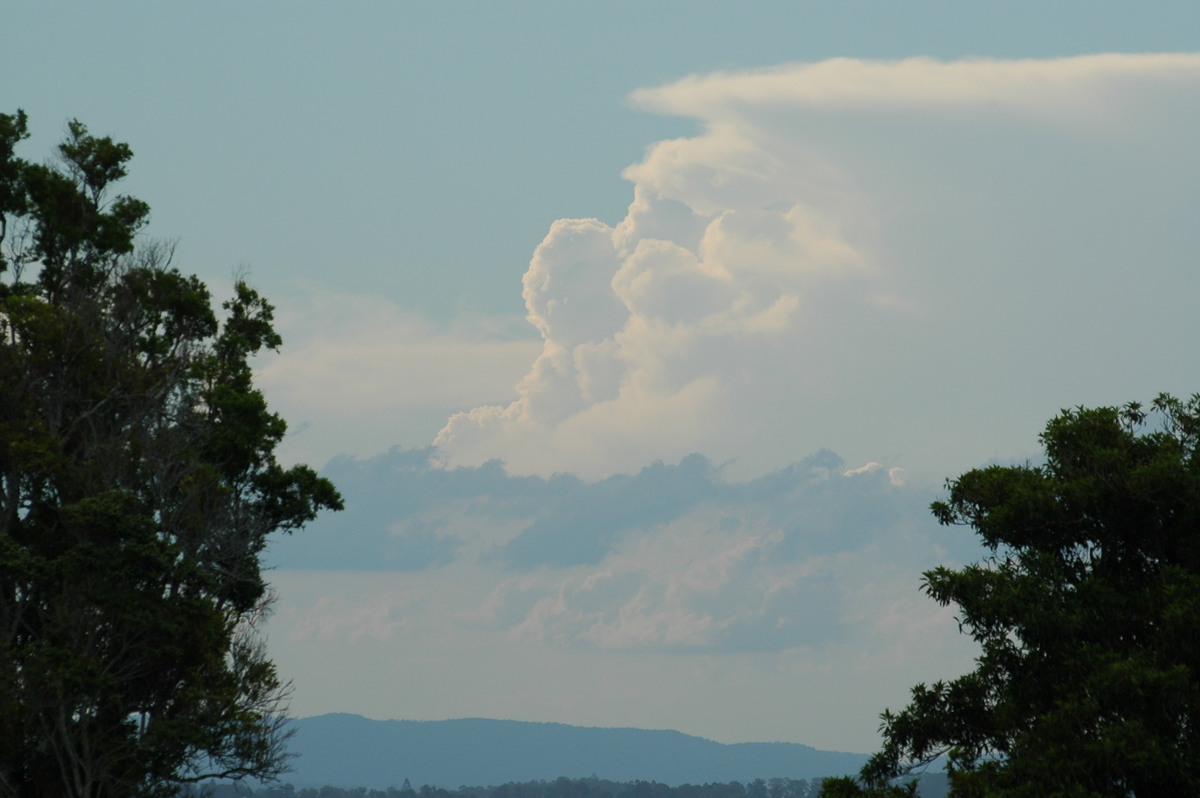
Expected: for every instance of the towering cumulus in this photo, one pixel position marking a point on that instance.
(781, 278)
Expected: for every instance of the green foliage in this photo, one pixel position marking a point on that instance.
(1087, 612)
(138, 486)
(848, 787)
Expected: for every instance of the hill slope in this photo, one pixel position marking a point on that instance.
(351, 751)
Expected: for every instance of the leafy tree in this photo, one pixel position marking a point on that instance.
(1087, 612)
(138, 485)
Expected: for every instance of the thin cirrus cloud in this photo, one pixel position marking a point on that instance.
(329, 383)
(1057, 88)
(821, 264)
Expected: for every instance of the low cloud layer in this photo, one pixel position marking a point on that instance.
(813, 267)
(671, 558)
(671, 569)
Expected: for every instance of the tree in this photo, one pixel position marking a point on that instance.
(848, 787)
(138, 485)
(1087, 612)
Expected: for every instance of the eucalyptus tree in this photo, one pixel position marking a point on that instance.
(138, 486)
(1087, 613)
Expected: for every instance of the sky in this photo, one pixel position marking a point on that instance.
(639, 336)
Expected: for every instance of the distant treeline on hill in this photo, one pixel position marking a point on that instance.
(931, 786)
(559, 788)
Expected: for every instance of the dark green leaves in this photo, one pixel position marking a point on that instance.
(138, 485)
(1087, 617)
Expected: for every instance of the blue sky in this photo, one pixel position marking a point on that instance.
(842, 251)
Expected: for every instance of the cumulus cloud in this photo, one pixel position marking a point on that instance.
(797, 274)
(649, 342)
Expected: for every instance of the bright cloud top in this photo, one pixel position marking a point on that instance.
(776, 284)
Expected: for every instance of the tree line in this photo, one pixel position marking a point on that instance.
(592, 787)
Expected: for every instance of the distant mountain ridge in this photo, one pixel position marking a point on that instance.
(344, 750)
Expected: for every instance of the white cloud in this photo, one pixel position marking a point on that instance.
(339, 618)
(1070, 89)
(869, 468)
(357, 374)
(839, 239)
